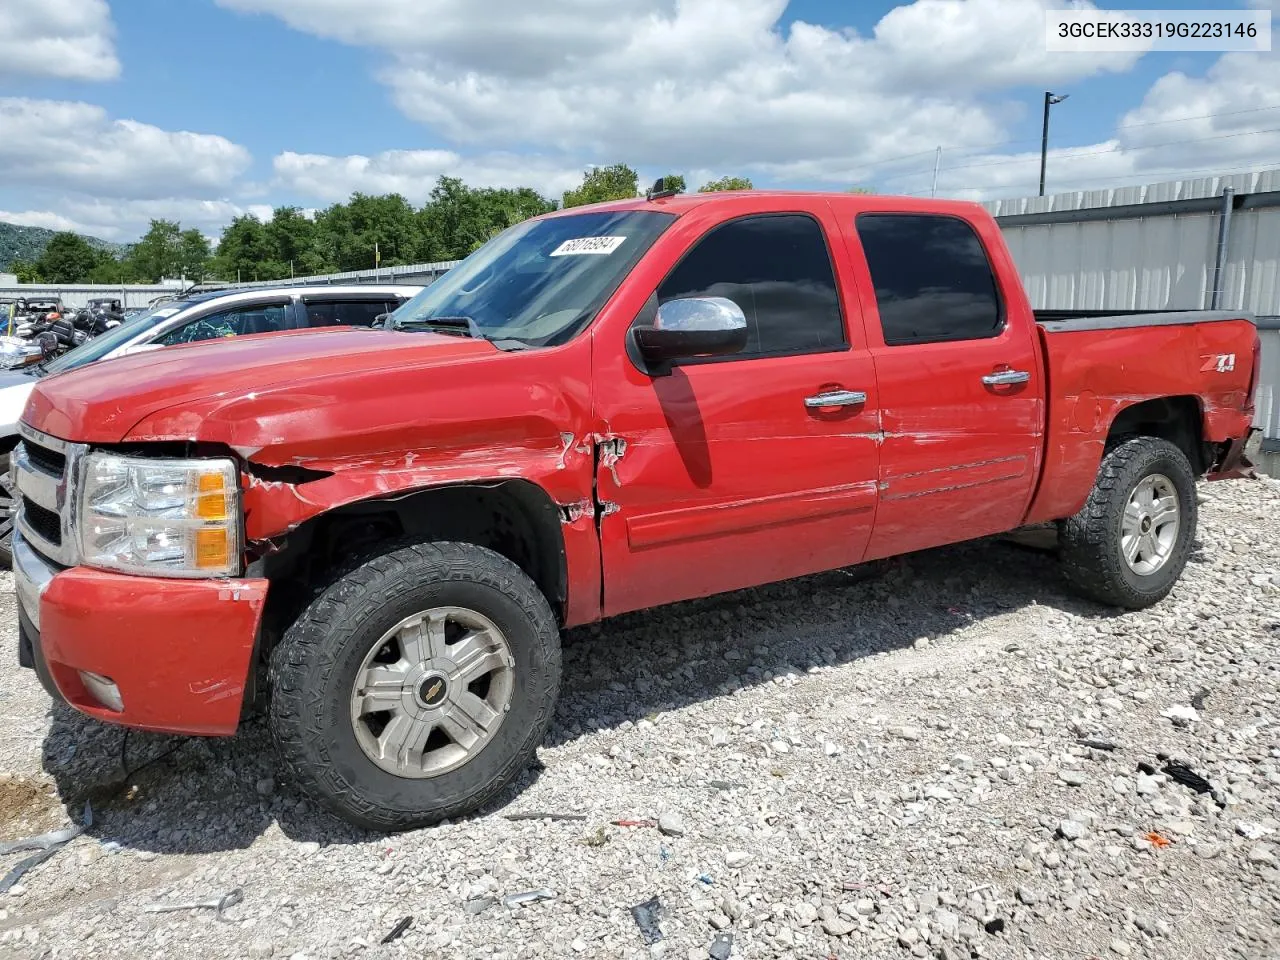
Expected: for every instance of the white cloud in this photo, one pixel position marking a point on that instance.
(40, 218)
(70, 145)
(1227, 121)
(413, 173)
(126, 220)
(696, 83)
(71, 39)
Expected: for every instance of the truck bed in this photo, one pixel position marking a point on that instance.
(1071, 321)
(1098, 364)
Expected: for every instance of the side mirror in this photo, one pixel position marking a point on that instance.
(687, 328)
(380, 321)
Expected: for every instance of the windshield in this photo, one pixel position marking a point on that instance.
(101, 345)
(538, 283)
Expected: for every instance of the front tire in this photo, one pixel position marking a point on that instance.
(416, 686)
(1130, 542)
(8, 510)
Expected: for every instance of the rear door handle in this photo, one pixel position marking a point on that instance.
(1005, 378)
(835, 398)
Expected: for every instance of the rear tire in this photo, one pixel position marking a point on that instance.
(361, 677)
(1130, 542)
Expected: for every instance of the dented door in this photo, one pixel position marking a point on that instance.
(743, 470)
(961, 385)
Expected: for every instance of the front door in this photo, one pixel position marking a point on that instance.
(961, 393)
(743, 469)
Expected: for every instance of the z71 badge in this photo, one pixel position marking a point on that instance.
(1219, 363)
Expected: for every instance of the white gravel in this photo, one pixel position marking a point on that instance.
(840, 767)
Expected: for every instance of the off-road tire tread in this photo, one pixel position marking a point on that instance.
(311, 641)
(1091, 562)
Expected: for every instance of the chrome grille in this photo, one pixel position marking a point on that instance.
(44, 472)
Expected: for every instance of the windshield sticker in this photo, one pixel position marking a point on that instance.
(584, 245)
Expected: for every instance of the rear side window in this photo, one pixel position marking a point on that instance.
(346, 313)
(932, 279)
(777, 269)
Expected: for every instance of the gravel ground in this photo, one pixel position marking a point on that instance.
(840, 767)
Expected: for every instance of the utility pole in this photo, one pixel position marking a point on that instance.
(1049, 100)
(937, 159)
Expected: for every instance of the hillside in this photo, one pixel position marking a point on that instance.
(27, 243)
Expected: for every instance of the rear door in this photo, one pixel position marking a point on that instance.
(744, 469)
(961, 393)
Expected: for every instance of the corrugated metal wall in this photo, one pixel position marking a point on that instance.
(1157, 251)
(1163, 261)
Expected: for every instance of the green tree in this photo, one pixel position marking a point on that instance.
(675, 181)
(726, 183)
(26, 270)
(369, 231)
(67, 259)
(290, 237)
(243, 250)
(457, 219)
(617, 182)
(194, 255)
(159, 253)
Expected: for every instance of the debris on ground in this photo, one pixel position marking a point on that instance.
(1157, 839)
(545, 816)
(1200, 699)
(1098, 744)
(647, 915)
(721, 947)
(634, 823)
(1181, 716)
(217, 904)
(1184, 775)
(528, 897)
(46, 843)
(596, 838)
(398, 930)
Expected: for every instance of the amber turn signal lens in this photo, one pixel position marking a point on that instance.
(212, 545)
(211, 497)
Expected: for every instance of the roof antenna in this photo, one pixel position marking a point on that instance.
(660, 190)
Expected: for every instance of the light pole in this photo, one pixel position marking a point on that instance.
(1049, 100)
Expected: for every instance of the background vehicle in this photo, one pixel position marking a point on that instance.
(604, 409)
(204, 317)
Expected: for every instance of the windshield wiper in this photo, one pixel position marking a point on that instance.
(454, 326)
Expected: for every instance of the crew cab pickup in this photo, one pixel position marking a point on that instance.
(377, 535)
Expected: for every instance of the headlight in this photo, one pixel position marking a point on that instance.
(171, 518)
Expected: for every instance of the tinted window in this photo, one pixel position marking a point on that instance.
(240, 322)
(346, 313)
(777, 269)
(932, 278)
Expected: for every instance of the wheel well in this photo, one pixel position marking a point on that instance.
(1176, 419)
(514, 518)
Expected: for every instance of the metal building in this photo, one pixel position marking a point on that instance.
(1179, 245)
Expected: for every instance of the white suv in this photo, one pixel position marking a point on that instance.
(206, 316)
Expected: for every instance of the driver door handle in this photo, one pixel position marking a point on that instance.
(835, 398)
(1006, 378)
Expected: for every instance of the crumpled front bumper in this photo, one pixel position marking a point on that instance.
(158, 654)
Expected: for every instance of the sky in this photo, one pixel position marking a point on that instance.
(114, 112)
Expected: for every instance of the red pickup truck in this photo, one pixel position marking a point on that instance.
(378, 535)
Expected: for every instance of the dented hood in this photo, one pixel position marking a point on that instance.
(102, 402)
